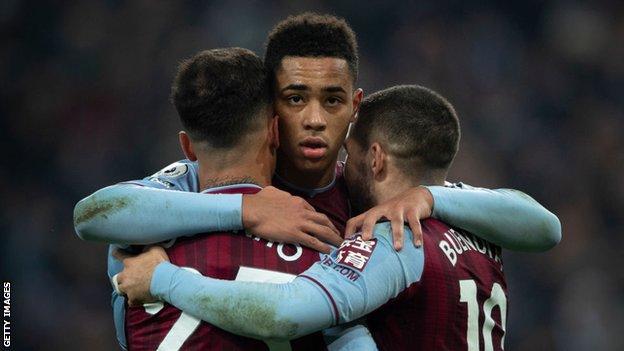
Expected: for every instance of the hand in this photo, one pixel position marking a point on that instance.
(135, 279)
(276, 215)
(413, 205)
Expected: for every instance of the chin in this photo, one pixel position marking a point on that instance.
(314, 165)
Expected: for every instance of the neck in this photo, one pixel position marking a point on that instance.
(307, 179)
(210, 177)
(220, 169)
(228, 180)
(396, 183)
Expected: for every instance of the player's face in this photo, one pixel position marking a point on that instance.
(316, 103)
(358, 177)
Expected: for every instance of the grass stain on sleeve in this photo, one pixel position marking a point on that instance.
(248, 315)
(103, 208)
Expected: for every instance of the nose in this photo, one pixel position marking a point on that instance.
(314, 118)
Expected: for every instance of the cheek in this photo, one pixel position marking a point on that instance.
(287, 125)
(347, 170)
(337, 129)
(351, 172)
(288, 142)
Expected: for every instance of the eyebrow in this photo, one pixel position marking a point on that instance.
(334, 89)
(296, 87)
(303, 87)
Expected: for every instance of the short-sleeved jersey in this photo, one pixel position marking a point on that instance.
(226, 255)
(460, 303)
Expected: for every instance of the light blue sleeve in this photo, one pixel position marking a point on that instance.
(345, 285)
(117, 301)
(158, 208)
(508, 218)
(350, 338)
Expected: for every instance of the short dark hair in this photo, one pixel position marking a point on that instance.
(416, 124)
(312, 35)
(220, 94)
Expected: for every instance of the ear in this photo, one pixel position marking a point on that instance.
(358, 95)
(378, 159)
(187, 146)
(274, 132)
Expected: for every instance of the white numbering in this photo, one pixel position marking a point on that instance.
(186, 324)
(468, 294)
(181, 329)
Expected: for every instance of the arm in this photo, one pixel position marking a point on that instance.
(330, 292)
(151, 210)
(508, 218)
(160, 207)
(257, 310)
(132, 214)
(353, 336)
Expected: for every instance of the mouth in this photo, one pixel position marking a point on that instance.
(313, 147)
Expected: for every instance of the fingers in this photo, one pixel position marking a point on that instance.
(121, 254)
(323, 220)
(305, 204)
(134, 303)
(313, 243)
(158, 251)
(365, 222)
(115, 282)
(322, 232)
(397, 232)
(329, 223)
(353, 225)
(368, 224)
(415, 226)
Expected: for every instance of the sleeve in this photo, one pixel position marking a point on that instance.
(118, 302)
(154, 210)
(354, 280)
(350, 338)
(181, 175)
(505, 217)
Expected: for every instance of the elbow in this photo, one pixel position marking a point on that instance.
(92, 214)
(83, 220)
(550, 233)
(544, 228)
(552, 228)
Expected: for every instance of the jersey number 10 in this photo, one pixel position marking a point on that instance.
(468, 294)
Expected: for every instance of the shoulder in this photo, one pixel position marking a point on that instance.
(383, 230)
(433, 225)
(180, 175)
(459, 185)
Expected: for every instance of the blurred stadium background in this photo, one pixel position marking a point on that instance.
(539, 87)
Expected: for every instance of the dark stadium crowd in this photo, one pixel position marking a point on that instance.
(538, 86)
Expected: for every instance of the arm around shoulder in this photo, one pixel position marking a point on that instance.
(506, 217)
(351, 282)
(132, 214)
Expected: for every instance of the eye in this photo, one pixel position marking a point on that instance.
(295, 99)
(333, 101)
